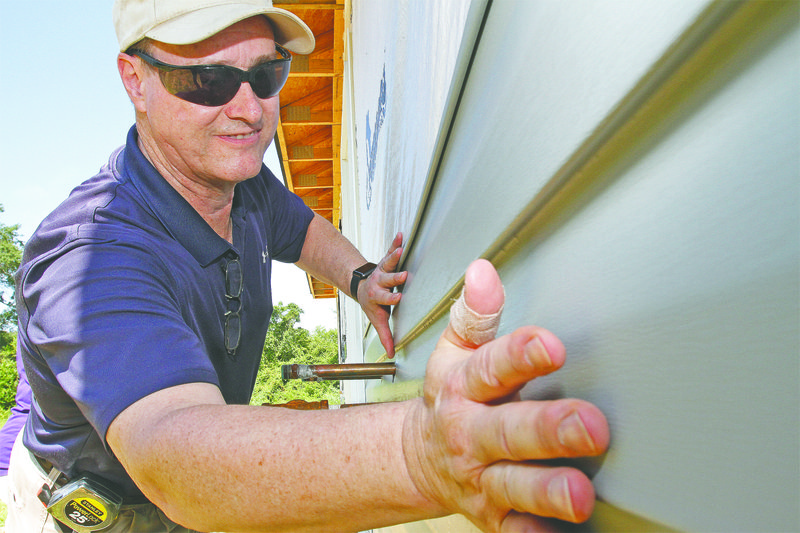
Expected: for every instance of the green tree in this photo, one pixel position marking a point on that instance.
(10, 257)
(9, 378)
(288, 343)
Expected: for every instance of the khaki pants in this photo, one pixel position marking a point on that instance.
(26, 514)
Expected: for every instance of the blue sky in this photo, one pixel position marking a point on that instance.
(65, 111)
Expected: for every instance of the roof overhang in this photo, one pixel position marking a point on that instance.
(309, 133)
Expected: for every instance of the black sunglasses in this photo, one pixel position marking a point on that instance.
(234, 283)
(216, 85)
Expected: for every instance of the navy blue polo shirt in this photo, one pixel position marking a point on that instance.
(121, 293)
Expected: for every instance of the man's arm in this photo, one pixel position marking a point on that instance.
(466, 447)
(329, 256)
(215, 467)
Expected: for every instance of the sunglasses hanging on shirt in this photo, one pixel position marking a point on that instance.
(216, 85)
(234, 283)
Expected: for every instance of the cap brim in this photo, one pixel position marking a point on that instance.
(290, 31)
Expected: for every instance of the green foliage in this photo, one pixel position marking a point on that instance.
(287, 343)
(10, 257)
(8, 370)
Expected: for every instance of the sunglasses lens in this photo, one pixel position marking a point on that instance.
(233, 332)
(233, 279)
(269, 79)
(209, 86)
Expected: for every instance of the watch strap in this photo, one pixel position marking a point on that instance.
(359, 274)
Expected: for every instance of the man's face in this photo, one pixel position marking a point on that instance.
(211, 146)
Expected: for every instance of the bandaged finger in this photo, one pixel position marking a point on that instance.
(471, 326)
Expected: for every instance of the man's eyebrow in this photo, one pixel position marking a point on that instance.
(266, 57)
(263, 58)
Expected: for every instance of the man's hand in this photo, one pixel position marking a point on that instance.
(375, 294)
(471, 444)
(328, 256)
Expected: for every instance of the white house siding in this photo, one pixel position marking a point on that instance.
(633, 169)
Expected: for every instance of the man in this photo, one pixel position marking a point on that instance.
(144, 301)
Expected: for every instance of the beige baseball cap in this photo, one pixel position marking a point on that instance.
(191, 21)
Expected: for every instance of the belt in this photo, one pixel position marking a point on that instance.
(47, 466)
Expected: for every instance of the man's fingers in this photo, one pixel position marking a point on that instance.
(515, 522)
(390, 280)
(380, 292)
(397, 242)
(385, 335)
(475, 316)
(392, 259)
(563, 493)
(523, 431)
(390, 262)
(385, 276)
(505, 365)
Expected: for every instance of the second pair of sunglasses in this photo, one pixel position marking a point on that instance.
(216, 85)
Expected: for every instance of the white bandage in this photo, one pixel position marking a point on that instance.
(471, 326)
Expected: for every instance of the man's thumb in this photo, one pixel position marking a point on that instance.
(475, 316)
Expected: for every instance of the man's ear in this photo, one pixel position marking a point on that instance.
(132, 75)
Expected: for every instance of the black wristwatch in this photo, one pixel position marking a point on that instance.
(360, 274)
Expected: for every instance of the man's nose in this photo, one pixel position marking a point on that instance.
(245, 105)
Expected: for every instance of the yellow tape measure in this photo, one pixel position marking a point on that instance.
(85, 504)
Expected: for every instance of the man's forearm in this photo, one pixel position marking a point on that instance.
(306, 470)
(328, 255)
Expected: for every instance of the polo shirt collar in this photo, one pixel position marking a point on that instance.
(180, 219)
